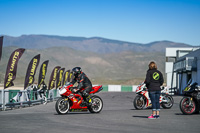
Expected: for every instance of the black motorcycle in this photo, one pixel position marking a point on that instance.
(190, 103)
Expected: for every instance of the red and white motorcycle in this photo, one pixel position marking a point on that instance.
(142, 100)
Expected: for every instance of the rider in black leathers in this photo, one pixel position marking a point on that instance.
(83, 82)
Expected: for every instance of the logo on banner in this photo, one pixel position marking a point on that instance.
(10, 74)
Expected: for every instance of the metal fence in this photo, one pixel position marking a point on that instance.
(10, 99)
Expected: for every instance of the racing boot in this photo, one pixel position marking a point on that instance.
(88, 101)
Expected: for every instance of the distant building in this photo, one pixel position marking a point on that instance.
(181, 65)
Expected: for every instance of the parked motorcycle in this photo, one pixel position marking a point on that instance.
(71, 102)
(142, 100)
(190, 103)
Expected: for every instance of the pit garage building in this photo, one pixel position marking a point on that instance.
(182, 64)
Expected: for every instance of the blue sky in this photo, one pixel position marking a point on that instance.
(140, 21)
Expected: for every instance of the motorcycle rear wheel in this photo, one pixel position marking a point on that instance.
(139, 102)
(170, 102)
(185, 106)
(97, 104)
(62, 106)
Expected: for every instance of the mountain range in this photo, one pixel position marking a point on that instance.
(93, 44)
(105, 61)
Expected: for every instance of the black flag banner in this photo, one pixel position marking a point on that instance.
(42, 74)
(12, 67)
(31, 70)
(1, 44)
(66, 77)
(59, 77)
(53, 77)
(71, 76)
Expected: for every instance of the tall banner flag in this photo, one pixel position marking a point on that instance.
(53, 77)
(12, 67)
(59, 77)
(42, 74)
(71, 76)
(31, 70)
(66, 77)
(1, 44)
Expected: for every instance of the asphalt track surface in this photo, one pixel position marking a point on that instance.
(117, 116)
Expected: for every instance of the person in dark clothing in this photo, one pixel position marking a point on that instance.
(154, 79)
(83, 82)
(35, 92)
(43, 90)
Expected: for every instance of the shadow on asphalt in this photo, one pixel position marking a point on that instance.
(141, 109)
(179, 114)
(140, 116)
(75, 113)
(186, 115)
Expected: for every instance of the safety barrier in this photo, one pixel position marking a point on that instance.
(28, 98)
(119, 88)
(129, 88)
(15, 98)
(31, 98)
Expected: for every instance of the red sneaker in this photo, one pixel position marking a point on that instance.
(152, 117)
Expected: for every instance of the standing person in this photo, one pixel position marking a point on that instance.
(43, 90)
(154, 79)
(35, 91)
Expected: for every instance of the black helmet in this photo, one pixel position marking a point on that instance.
(76, 70)
(44, 84)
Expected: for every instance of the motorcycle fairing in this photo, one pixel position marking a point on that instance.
(76, 102)
(96, 89)
(146, 94)
(79, 110)
(74, 97)
(140, 90)
(63, 91)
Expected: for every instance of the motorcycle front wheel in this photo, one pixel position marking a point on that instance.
(187, 107)
(62, 106)
(139, 102)
(169, 103)
(97, 104)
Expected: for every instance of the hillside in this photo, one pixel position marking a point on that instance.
(126, 67)
(93, 44)
(105, 61)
